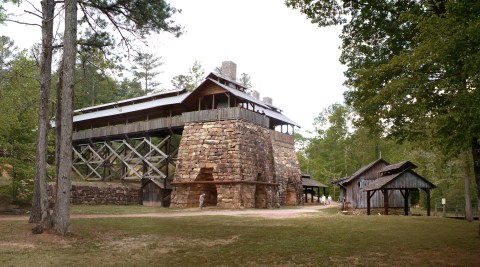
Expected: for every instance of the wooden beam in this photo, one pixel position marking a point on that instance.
(223, 182)
(405, 203)
(368, 202)
(385, 200)
(427, 191)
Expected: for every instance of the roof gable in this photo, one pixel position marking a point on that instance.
(398, 167)
(362, 170)
(403, 180)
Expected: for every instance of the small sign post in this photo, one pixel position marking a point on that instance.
(444, 204)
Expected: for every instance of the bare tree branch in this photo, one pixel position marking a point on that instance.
(32, 13)
(34, 7)
(21, 22)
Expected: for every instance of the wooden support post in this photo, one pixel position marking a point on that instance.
(318, 193)
(427, 191)
(405, 203)
(368, 202)
(385, 200)
(312, 195)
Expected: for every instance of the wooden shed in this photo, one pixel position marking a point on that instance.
(155, 193)
(381, 185)
(403, 182)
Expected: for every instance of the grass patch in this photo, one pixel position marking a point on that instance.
(324, 240)
(116, 209)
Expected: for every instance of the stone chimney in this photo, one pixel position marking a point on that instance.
(256, 94)
(268, 101)
(229, 70)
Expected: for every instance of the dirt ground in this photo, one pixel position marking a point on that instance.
(282, 213)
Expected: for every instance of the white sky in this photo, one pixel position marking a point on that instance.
(288, 58)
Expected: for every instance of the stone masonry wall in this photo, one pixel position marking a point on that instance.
(234, 155)
(287, 169)
(102, 193)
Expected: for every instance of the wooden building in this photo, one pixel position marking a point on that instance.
(381, 185)
(311, 187)
(155, 194)
(218, 139)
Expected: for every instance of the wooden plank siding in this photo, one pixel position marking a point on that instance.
(355, 195)
(408, 179)
(395, 200)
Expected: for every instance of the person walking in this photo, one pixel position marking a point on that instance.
(201, 200)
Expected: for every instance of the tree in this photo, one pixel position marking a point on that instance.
(7, 49)
(40, 208)
(129, 19)
(191, 80)
(245, 80)
(128, 89)
(412, 67)
(145, 70)
(18, 95)
(62, 209)
(182, 82)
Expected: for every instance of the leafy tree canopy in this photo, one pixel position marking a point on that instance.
(192, 79)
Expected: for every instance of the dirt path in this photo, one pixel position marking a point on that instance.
(265, 213)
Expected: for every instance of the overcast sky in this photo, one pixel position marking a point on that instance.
(288, 58)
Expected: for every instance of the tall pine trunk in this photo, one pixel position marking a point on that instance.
(476, 170)
(62, 204)
(40, 213)
(468, 197)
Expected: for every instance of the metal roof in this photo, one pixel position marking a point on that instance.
(130, 100)
(401, 166)
(359, 172)
(312, 183)
(239, 93)
(156, 100)
(383, 181)
(262, 106)
(131, 108)
(225, 78)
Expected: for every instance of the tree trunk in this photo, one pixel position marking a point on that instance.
(40, 213)
(58, 118)
(468, 198)
(476, 170)
(62, 208)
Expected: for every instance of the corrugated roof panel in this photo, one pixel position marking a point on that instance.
(311, 182)
(278, 116)
(131, 108)
(89, 109)
(262, 106)
(240, 93)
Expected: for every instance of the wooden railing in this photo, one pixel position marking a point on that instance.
(226, 114)
(133, 127)
(175, 121)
